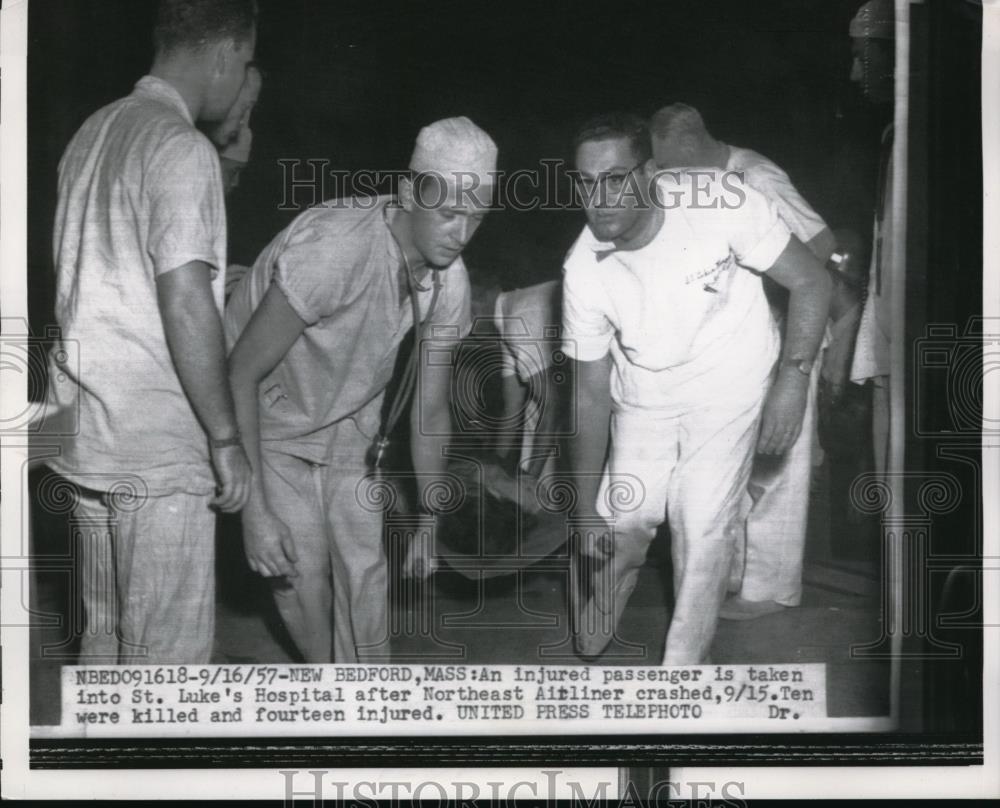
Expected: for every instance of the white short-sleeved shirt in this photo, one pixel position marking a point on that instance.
(685, 317)
(338, 266)
(529, 321)
(760, 173)
(140, 194)
(797, 214)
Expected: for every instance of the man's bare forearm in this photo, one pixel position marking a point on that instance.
(588, 446)
(265, 341)
(808, 311)
(194, 335)
(515, 397)
(822, 245)
(248, 417)
(431, 424)
(428, 443)
(809, 292)
(429, 459)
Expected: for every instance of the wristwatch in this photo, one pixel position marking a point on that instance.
(803, 366)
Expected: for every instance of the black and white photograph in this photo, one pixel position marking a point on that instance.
(499, 385)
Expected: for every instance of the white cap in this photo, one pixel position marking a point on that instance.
(454, 145)
(876, 19)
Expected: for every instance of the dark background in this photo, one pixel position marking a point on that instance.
(351, 82)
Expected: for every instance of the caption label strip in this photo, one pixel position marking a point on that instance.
(227, 700)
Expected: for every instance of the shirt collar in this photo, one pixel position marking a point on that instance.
(392, 246)
(600, 249)
(160, 90)
(603, 249)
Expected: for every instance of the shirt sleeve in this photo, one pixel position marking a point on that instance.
(587, 331)
(186, 210)
(314, 268)
(798, 216)
(757, 236)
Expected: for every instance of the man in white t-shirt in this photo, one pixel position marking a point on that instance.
(767, 569)
(675, 350)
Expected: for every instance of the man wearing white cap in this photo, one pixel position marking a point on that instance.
(767, 568)
(872, 33)
(316, 326)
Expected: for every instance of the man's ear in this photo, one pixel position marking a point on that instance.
(689, 146)
(222, 52)
(218, 53)
(406, 194)
(652, 173)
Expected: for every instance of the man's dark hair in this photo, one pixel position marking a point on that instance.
(195, 24)
(616, 125)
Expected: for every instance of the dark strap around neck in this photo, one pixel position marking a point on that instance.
(409, 380)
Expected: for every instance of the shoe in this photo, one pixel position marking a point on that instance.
(737, 608)
(597, 623)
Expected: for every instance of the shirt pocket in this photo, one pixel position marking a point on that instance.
(274, 398)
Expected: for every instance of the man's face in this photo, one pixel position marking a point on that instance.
(607, 186)
(670, 154)
(872, 68)
(246, 99)
(445, 216)
(229, 62)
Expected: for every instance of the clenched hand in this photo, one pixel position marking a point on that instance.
(781, 421)
(268, 544)
(232, 468)
(420, 562)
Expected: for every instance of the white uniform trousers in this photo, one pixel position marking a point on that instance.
(693, 470)
(768, 561)
(338, 604)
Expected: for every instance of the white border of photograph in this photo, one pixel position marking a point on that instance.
(758, 782)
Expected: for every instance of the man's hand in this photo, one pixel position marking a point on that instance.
(809, 289)
(595, 535)
(234, 474)
(781, 421)
(419, 562)
(197, 345)
(268, 544)
(835, 371)
(234, 274)
(239, 148)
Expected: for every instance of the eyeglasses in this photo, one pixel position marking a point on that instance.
(612, 183)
